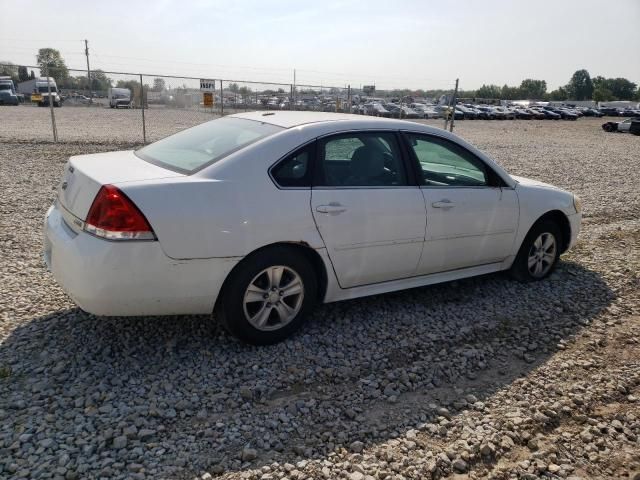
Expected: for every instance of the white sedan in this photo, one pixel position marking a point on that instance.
(258, 216)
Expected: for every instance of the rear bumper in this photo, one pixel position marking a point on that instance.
(129, 278)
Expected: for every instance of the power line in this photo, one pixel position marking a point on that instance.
(33, 40)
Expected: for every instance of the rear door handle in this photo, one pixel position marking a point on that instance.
(332, 208)
(444, 203)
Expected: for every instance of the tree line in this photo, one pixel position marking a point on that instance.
(581, 86)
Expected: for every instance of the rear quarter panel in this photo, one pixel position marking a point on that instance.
(230, 210)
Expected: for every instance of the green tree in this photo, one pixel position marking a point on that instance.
(234, 87)
(32, 75)
(23, 74)
(489, 91)
(466, 94)
(622, 88)
(559, 94)
(533, 89)
(158, 85)
(510, 93)
(9, 69)
(436, 93)
(580, 86)
(100, 81)
(52, 64)
(602, 94)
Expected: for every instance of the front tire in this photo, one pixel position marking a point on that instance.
(267, 296)
(539, 252)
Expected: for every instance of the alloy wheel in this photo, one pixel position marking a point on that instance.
(542, 255)
(273, 298)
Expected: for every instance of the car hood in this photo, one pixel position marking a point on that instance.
(529, 182)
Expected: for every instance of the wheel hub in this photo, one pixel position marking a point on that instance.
(542, 255)
(273, 298)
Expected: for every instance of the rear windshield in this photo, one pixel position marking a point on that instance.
(201, 146)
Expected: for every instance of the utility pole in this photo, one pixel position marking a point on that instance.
(54, 128)
(221, 99)
(86, 52)
(453, 105)
(293, 107)
(142, 102)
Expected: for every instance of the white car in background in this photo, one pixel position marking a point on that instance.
(260, 215)
(623, 126)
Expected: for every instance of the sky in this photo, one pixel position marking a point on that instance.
(391, 44)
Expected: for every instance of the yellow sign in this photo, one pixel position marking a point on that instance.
(207, 98)
(36, 97)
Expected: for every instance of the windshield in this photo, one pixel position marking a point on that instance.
(45, 89)
(5, 86)
(203, 145)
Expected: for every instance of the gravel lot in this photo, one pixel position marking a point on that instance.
(481, 378)
(103, 125)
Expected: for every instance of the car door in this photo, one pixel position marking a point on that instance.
(369, 212)
(625, 125)
(472, 217)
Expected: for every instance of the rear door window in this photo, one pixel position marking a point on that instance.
(361, 160)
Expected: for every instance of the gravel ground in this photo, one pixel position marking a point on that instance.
(481, 378)
(84, 124)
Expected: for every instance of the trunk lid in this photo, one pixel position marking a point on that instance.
(85, 174)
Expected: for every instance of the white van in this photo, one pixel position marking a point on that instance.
(119, 98)
(38, 88)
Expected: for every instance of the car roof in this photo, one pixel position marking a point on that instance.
(316, 124)
(290, 119)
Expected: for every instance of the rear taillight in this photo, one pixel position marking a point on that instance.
(114, 217)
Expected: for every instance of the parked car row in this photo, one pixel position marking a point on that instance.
(620, 112)
(468, 111)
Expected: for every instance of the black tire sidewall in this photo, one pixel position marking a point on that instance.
(520, 269)
(231, 308)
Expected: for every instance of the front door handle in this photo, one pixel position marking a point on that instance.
(332, 208)
(444, 203)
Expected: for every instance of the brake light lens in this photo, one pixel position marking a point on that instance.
(115, 217)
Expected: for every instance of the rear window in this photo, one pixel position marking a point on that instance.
(201, 146)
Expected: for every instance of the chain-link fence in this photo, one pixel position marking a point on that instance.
(118, 107)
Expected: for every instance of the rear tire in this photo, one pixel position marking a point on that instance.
(539, 252)
(257, 304)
